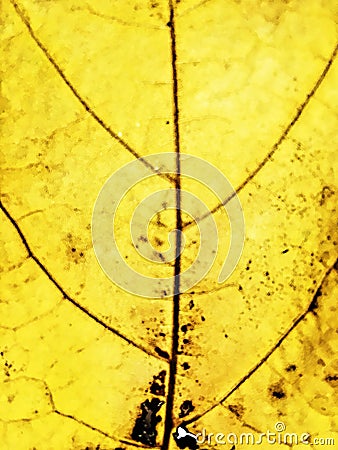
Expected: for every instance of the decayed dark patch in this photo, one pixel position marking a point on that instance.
(157, 386)
(277, 391)
(145, 425)
(291, 368)
(186, 408)
(238, 410)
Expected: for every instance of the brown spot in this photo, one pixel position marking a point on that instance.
(158, 241)
(326, 193)
(238, 410)
(277, 390)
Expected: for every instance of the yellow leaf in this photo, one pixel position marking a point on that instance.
(247, 89)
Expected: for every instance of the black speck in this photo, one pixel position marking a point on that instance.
(167, 122)
(202, 318)
(169, 24)
(191, 304)
(226, 336)
(186, 408)
(278, 394)
(145, 425)
(186, 366)
(285, 251)
(186, 341)
(291, 368)
(184, 328)
(73, 249)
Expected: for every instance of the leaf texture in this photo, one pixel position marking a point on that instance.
(249, 86)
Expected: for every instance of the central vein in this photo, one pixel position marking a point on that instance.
(177, 269)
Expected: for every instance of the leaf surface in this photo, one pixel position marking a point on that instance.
(250, 87)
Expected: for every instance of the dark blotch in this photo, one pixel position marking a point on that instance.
(277, 391)
(145, 426)
(238, 410)
(186, 408)
(285, 251)
(291, 368)
(332, 380)
(185, 366)
(278, 394)
(161, 353)
(184, 328)
(157, 386)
